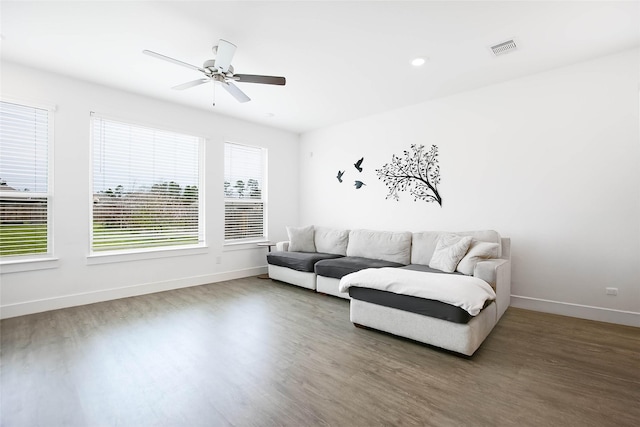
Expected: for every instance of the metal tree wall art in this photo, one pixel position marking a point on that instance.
(417, 172)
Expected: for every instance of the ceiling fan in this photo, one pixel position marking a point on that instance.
(220, 70)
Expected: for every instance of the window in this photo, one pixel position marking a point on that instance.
(244, 194)
(146, 187)
(25, 197)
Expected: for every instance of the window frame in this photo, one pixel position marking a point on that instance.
(263, 197)
(45, 260)
(151, 252)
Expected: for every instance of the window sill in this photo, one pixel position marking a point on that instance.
(244, 245)
(28, 264)
(144, 254)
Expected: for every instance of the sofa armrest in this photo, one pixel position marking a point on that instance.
(497, 273)
(282, 246)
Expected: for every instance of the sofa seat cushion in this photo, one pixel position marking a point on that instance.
(299, 261)
(339, 267)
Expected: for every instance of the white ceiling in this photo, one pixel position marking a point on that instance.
(342, 59)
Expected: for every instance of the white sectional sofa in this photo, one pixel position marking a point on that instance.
(339, 263)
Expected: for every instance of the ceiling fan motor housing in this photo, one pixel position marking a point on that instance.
(210, 65)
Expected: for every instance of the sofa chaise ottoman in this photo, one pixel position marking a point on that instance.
(432, 321)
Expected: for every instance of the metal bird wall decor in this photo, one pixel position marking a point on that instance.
(358, 165)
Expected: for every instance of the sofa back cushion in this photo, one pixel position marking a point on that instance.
(424, 243)
(384, 245)
(331, 240)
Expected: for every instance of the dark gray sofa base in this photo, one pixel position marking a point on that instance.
(425, 307)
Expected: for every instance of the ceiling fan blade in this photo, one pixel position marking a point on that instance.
(225, 53)
(175, 61)
(193, 83)
(267, 80)
(235, 92)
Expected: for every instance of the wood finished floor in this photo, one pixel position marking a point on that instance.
(256, 352)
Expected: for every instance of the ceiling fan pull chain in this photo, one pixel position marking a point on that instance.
(213, 83)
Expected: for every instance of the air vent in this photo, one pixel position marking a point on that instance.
(504, 47)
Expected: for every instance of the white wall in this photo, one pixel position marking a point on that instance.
(75, 281)
(551, 160)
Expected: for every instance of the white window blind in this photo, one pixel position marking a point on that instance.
(146, 187)
(244, 217)
(24, 180)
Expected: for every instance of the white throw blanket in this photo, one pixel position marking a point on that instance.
(466, 292)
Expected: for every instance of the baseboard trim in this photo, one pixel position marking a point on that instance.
(629, 318)
(47, 304)
(621, 317)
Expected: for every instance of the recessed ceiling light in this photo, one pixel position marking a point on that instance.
(417, 62)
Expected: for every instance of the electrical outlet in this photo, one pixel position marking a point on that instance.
(611, 291)
(218, 259)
